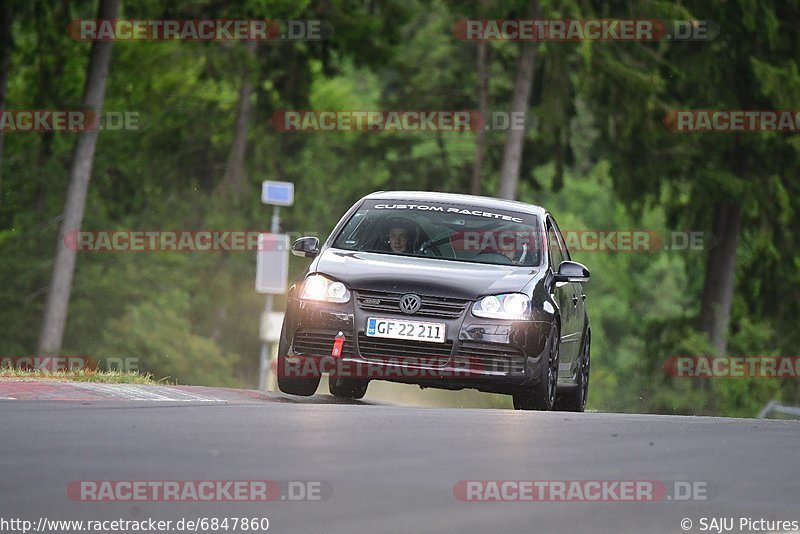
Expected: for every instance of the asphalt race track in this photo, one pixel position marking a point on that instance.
(390, 468)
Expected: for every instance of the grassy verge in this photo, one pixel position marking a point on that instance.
(81, 375)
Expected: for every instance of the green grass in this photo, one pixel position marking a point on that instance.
(81, 375)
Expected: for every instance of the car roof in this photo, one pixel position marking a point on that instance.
(483, 202)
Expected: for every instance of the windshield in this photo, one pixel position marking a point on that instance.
(444, 231)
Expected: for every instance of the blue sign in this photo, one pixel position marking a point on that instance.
(371, 326)
(277, 193)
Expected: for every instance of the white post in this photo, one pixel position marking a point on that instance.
(264, 358)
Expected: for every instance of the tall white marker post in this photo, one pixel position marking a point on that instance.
(272, 270)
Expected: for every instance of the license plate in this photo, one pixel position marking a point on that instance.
(400, 329)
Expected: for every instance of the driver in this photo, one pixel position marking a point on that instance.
(507, 249)
(400, 235)
(510, 246)
(398, 240)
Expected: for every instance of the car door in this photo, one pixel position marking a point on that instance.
(565, 295)
(579, 297)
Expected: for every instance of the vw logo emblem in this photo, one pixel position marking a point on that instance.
(410, 303)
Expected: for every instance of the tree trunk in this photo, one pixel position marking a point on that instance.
(51, 64)
(233, 181)
(6, 18)
(715, 307)
(512, 153)
(483, 108)
(55, 317)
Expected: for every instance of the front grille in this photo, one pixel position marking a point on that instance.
(320, 342)
(495, 357)
(439, 307)
(397, 350)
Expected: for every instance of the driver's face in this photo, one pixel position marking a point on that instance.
(398, 239)
(507, 249)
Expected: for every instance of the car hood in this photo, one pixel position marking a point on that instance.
(425, 276)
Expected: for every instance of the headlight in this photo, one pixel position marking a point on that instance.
(317, 287)
(514, 306)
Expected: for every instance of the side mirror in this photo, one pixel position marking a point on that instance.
(306, 247)
(571, 271)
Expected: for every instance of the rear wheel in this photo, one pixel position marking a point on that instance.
(304, 386)
(348, 388)
(573, 398)
(542, 395)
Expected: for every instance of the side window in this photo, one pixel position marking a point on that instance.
(555, 242)
(554, 247)
(564, 250)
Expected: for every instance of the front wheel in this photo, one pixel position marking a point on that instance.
(348, 388)
(304, 386)
(542, 395)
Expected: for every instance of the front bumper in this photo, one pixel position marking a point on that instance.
(484, 354)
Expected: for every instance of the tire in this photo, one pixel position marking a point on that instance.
(347, 388)
(573, 398)
(542, 395)
(304, 387)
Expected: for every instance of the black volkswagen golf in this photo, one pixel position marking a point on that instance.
(440, 290)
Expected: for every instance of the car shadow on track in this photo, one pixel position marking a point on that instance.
(325, 399)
